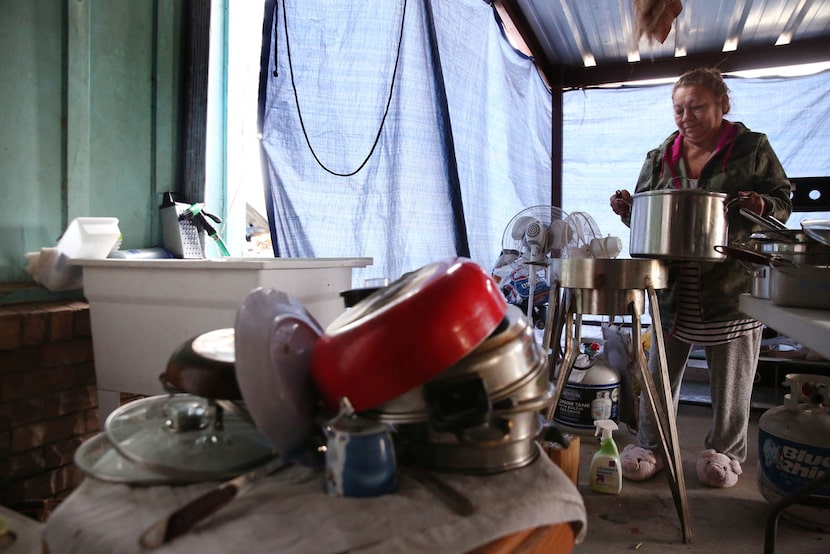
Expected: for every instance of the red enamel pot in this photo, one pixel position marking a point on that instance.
(403, 335)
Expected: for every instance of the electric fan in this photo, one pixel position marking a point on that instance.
(583, 230)
(532, 237)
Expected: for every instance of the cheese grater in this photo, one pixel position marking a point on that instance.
(181, 237)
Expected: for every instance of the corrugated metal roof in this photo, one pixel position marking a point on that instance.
(573, 32)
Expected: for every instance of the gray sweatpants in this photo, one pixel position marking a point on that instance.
(731, 376)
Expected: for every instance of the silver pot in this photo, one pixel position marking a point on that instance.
(780, 279)
(805, 286)
(790, 244)
(761, 282)
(507, 442)
(678, 224)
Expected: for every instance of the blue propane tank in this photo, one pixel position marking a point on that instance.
(794, 449)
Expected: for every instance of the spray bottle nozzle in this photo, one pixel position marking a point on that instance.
(605, 427)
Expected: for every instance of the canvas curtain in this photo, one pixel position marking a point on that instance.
(404, 131)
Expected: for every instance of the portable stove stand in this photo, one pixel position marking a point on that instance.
(617, 287)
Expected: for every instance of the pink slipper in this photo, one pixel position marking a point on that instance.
(717, 470)
(639, 464)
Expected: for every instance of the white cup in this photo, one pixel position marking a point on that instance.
(606, 247)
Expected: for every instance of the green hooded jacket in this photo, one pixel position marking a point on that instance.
(744, 161)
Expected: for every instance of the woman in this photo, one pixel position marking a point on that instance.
(700, 305)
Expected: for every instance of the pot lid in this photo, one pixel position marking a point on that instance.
(781, 235)
(817, 229)
(274, 341)
(97, 458)
(179, 435)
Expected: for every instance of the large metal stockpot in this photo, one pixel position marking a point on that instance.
(678, 224)
(806, 286)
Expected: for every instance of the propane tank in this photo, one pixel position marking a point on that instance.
(591, 393)
(794, 448)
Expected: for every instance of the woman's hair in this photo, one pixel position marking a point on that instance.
(708, 78)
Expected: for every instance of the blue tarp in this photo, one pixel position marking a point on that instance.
(403, 131)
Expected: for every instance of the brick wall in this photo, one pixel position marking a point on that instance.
(48, 400)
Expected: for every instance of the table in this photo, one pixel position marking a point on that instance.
(809, 327)
(20, 535)
(290, 513)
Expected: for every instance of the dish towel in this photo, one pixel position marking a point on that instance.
(290, 513)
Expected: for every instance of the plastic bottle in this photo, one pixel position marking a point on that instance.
(606, 475)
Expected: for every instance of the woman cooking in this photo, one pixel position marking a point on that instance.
(700, 305)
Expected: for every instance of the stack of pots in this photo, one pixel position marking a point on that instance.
(483, 414)
(440, 355)
(796, 271)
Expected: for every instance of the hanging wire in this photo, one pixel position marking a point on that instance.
(297, 99)
(276, 37)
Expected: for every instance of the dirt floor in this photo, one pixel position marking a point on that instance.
(643, 517)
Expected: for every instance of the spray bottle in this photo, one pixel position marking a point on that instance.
(606, 473)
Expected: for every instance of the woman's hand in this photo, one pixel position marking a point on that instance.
(621, 203)
(751, 201)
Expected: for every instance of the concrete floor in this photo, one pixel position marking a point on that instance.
(643, 517)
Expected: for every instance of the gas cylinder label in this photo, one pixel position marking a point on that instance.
(580, 405)
(788, 466)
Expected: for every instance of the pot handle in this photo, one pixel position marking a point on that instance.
(730, 203)
(744, 254)
(759, 258)
(766, 221)
(457, 404)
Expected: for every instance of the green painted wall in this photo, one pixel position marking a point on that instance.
(88, 125)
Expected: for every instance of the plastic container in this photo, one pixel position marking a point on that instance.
(89, 237)
(142, 310)
(85, 237)
(605, 474)
(154, 253)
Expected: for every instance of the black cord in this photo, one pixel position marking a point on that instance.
(297, 99)
(276, 37)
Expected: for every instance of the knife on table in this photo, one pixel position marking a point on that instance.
(452, 498)
(183, 519)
